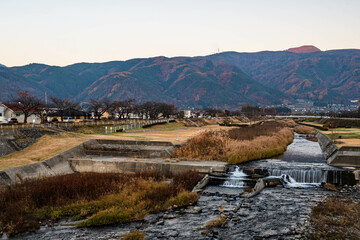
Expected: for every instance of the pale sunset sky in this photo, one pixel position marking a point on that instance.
(63, 32)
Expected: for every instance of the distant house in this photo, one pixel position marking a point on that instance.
(187, 113)
(13, 111)
(2, 114)
(76, 115)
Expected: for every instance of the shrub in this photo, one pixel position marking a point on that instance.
(218, 222)
(336, 218)
(208, 145)
(135, 235)
(304, 130)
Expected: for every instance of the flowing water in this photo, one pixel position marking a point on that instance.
(302, 165)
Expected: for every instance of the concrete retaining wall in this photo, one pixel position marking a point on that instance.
(121, 166)
(12, 140)
(6, 145)
(120, 148)
(57, 165)
(346, 156)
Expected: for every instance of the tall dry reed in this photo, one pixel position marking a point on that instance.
(238, 145)
(304, 130)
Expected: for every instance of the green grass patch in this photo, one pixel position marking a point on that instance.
(334, 136)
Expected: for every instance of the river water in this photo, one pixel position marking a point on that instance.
(276, 213)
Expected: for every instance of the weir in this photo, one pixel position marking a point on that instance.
(302, 165)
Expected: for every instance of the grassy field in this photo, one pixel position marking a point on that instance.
(92, 199)
(49, 146)
(343, 136)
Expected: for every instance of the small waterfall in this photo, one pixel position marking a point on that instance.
(302, 175)
(236, 179)
(238, 174)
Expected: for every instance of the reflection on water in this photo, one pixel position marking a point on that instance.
(303, 150)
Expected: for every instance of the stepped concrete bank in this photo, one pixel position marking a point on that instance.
(346, 156)
(109, 156)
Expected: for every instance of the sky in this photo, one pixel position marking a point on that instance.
(63, 32)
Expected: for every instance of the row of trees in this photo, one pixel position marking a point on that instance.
(248, 110)
(29, 105)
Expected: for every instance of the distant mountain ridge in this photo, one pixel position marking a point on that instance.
(227, 79)
(183, 81)
(326, 76)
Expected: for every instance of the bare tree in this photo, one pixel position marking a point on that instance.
(250, 111)
(100, 107)
(27, 104)
(64, 105)
(154, 109)
(124, 107)
(167, 109)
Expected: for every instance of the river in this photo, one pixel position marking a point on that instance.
(276, 213)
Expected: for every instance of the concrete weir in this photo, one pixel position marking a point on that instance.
(346, 156)
(117, 156)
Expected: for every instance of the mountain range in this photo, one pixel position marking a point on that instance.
(226, 79)
(325, 76)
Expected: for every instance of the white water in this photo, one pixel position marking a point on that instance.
(300, 177)
(288, 181)
(236, 179)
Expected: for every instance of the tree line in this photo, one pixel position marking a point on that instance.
(31, 105)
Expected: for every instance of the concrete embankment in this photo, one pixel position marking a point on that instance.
(346, 156)
(12, 140)
(109, 156)
(121, 165)
(57, 165)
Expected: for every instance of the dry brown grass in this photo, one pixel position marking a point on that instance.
(217, 222)
(336, 218)
(199, 121)
(218, 145)
(46, 147)
(95, 198)
(289, 122)
(304, 130)
(134, 235)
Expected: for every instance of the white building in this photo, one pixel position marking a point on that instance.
(12, 111)
(187, 113)
(2, 114)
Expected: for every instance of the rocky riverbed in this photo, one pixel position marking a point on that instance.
(276, 213)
